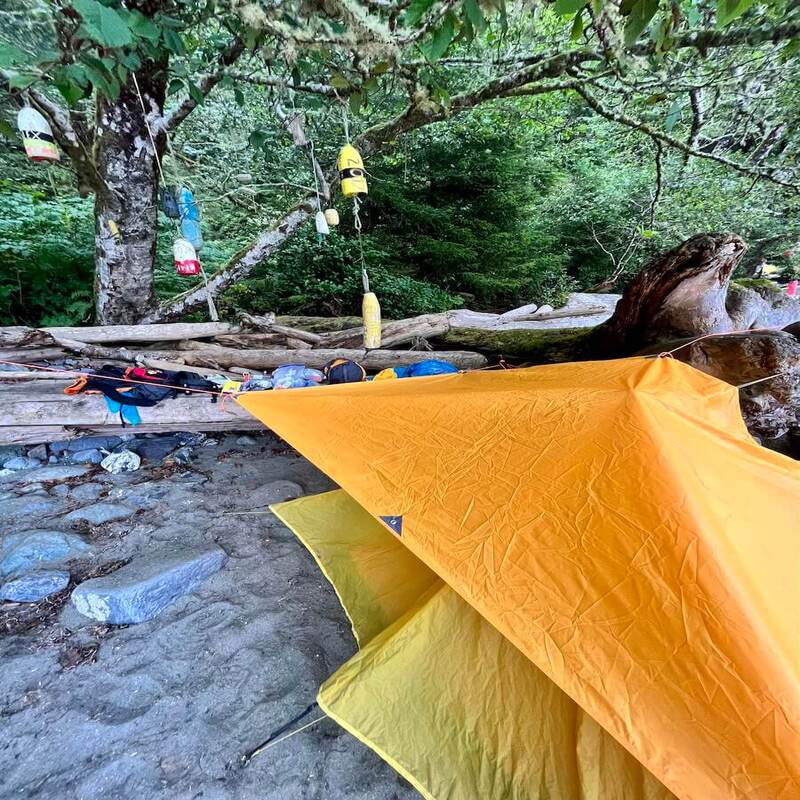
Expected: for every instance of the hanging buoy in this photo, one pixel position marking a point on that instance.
(113, 229)
(169, 202)
(186, 262)
(190, 218)
(351, 172)
(332, 217)
(371, 312)
(321, 224)
(37, 136)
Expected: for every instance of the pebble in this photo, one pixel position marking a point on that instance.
(85, 491)
(21, 551)
(99, 513)
(121, 461)
(86, 457)
(21, 462)
(144, 588)
(33, 586)
(246, 441)
(85, 443)
(40, 452)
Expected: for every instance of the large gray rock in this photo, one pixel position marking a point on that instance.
(85, 443)
(144, 588)
(86, 457)
(53, 473)
(99, 513)
(33, 586)
(40, 452)
(21, 551)
(21, 462)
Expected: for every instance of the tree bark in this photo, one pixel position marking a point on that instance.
(126, 199)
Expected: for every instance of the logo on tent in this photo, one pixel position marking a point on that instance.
(395, 523)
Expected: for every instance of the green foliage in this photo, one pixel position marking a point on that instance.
(313, 277)
(46, 259)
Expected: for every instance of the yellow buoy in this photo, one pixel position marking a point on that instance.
(351, 172)
(371, 312)
(332, 217)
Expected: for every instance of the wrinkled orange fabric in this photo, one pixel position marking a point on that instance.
(616, 522)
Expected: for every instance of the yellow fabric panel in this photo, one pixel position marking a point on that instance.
(376, 578)
(613, 520)
(440, 694)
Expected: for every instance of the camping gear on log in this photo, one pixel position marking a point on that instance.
(190, 218)
(295, 376)
(332, 217)
(37, 136)
(432, 366)
(186, 261)
(343, 370)
(592, 514)
(351, 172)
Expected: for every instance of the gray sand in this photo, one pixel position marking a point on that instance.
(169, 706)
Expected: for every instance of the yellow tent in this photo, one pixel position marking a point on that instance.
(613, 521)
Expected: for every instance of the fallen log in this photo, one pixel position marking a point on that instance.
(27, 355)
(258, 340)
(269, 325)
(172, 332)
(41, 412)
(225, 357)
(402, 331)
(319, 324)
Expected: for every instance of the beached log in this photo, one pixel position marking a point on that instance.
(319, 324)
(268, 324)
(41, 412)
(520, 346)
(262, 341)
(402, 331)
(27, 355)
(101, 334)
(225, 357)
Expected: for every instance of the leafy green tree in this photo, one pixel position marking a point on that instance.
(117, 81)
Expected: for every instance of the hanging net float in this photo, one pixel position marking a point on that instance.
(332, 217)
(351, 172)
(186, 261)
(371, 313)
(190, 218)
(37, 136)
(321, 224)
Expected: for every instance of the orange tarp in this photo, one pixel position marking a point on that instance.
(614, 521)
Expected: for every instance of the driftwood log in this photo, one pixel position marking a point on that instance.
(39, 411)
(103, 334)
(225, 357)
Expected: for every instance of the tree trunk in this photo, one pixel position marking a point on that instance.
(126, 200)
(680, 293)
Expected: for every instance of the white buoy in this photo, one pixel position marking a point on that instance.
(37, 136)
(186, 261)
(321, 224)
(332, 217)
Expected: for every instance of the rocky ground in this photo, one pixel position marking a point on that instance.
(165, 708)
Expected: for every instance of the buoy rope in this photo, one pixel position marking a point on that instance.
(276, 738)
